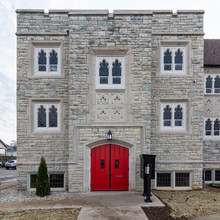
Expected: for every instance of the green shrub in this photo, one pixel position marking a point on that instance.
(42, 183)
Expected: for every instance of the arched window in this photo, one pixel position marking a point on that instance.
(53, 116)
(179, 60)
(42, 61)
(53, 61)
(103, 72)
(208, 127)
(41, 116)
(167, 60)
(178, 116)
(116, 72)
(208, 84)
(216, 127)
(217, 84)
(167, 116)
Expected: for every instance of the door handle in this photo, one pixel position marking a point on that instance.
(109, 172)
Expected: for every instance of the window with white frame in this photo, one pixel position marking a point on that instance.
(212, 127)
(110, 72)
(212, 175)
(212, 84)
(173, 179)
(47, 61)
(173, 60)
(173, 116)
(56, 180)
(47, 116)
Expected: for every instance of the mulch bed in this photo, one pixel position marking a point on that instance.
(159, 213)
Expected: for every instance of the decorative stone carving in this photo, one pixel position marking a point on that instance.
(211, 106)
(110, 106)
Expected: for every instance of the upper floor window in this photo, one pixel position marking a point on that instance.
(173, 116)
(212, 127)
(212, 83)
(47, 61)
(110, 72)
(46, 116)
(173, 60)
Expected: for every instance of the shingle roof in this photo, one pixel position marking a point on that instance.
(212, 52)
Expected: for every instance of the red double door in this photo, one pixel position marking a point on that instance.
(109, 167)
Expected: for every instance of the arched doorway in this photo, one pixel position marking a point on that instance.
(110, 167)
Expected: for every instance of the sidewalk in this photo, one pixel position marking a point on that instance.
(95, 205)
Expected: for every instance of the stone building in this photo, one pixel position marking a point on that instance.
(138, 74)
(211, 148)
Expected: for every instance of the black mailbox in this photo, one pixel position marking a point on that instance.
(147, 159)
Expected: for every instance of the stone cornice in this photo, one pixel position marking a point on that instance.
(106, 12)
(41, 34)
(178, 33)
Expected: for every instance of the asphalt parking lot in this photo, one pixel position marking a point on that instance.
(7, 175)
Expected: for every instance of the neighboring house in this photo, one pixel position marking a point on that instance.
(211, 149)
(138, 74)
(12, 149)
(3, 148)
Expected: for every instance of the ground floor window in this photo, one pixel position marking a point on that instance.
(208, 175)
(212, 175)
(217, 175)
(172, 179)
(56, 180)
(182, 180)
(33, 180)
(164, 179)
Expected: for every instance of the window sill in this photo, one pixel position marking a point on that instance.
(52, 189)
(211, 94)
(47, 131)
(173, 131)
(212, 139)
(46, 76)
(183, 74)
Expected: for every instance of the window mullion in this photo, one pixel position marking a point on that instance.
(173, 60)
(47, 116)
(172, 116)
(213, 85)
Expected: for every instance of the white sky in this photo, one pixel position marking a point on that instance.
(8, 38)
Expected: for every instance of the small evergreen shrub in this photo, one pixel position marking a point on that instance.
(42, 183)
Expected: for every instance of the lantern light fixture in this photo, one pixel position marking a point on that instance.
(109, 135)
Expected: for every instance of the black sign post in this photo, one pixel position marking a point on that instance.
(147, 173)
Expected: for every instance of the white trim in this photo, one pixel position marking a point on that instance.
(52, 189)
(213, 76)
(212, 176)
(47, 105)
(110, 61)
(212, 136)
(38, 73)
(173, 49)
(173, 105)
(173, 180)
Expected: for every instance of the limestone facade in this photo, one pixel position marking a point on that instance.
(132, 111)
